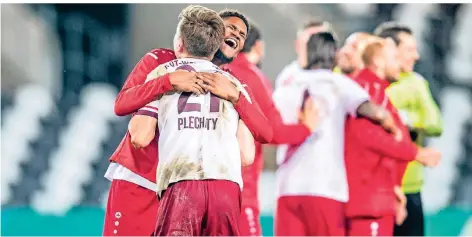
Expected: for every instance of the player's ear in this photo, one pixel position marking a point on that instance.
(297, 48)
(178, 44)
(259, 48)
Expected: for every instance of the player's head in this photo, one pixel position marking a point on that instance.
(381, 57)
(403, 37)
(199, 33)
(303, 35)
(254, 46)
(349, 57)
(236, 31)
(321, 51)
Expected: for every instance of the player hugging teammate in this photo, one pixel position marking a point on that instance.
(202, 124)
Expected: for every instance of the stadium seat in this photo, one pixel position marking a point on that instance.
(414, 15)
(439, 182)
(79, 146)
(22, 126)
(459, 59)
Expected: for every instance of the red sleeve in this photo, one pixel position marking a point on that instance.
(254, 119)
(137, 90)
(283, 134)
(375, 138)
(401, 168)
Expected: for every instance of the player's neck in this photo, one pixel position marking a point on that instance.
(377, 71)
(186, 55)
(252, 58)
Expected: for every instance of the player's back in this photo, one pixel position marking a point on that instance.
(197, 133)
(321, 156)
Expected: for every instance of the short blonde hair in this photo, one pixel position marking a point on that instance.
(371, 48)
(201, 29)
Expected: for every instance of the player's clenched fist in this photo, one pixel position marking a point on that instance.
(428, 156)
(219, 85)
(186, 81)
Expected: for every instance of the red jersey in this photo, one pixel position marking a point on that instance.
(141, 88)
(142, 162)
(375, 161)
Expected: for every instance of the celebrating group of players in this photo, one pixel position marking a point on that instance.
(344, 146)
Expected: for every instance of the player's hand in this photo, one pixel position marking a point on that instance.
(428, 156)
(401, 198)
(309, 116)
(219, 85)
(186, 81)
(401, 212)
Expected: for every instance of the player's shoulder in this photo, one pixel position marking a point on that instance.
(419, 78)
(161, 54)
(243, 74)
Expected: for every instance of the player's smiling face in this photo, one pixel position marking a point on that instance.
(235, 36)
(408, 52)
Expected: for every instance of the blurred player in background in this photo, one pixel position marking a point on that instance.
(132, 171)
(412, 97)
(350, 55)
(375, 160)
(250, 56)
(309, 28)
(244, 67)
(312, 183)
(199, 176)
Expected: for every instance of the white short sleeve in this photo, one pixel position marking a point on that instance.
(352, 94)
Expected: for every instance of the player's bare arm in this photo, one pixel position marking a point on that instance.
(142, 129)
(246, 144)
(380, 115)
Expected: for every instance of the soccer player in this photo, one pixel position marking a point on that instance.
(412, 97)
(350, 60)
(199, 173)
(375, 161)
(309, 28)
(133, 171)
(250, 56)
(245, 69)
(312, 185)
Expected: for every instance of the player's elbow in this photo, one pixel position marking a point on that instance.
(248, 153)
(266, 137)
(247, 159)
(246, 144)
(119, 109)
(433, 130)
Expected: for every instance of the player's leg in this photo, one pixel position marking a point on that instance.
(324, 216)
(224, 208)
(123, 219)
(249, 222)
(288, 217)
(414, 222)
(363, 226)
(182, 209)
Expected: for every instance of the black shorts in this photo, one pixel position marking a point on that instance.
(414, 223)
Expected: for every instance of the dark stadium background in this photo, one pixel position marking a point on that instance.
(62, 65)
